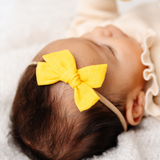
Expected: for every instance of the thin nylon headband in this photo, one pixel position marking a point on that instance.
(108, 104)
(114, 109)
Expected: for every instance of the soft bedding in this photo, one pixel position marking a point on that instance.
(25, 28)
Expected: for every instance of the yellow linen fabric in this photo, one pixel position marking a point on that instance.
(61, 66)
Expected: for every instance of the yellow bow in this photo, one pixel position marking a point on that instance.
(61, 66)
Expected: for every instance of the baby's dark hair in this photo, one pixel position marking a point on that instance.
(45, 125)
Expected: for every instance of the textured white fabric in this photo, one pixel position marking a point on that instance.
(151, 88)
(27, 26)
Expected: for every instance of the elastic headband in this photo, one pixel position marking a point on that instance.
(114, 109)
(107, 104)
(61, 66)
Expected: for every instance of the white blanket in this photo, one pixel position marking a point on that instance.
(25, 28)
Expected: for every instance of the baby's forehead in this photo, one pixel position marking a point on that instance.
(58, 45)
(82, 50)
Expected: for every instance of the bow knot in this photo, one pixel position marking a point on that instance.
(61, 66)
(71, 76)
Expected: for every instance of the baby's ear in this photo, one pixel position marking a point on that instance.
(135, 109)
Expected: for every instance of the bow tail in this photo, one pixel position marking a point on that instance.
(85, 97)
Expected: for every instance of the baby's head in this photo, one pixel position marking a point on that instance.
(46, 122)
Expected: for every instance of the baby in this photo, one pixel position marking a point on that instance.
(48, 122)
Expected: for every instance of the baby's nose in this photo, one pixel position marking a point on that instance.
(102, 31)
(114, 31)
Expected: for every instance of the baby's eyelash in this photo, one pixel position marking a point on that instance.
(110, 49)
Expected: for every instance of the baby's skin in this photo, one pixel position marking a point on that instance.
(109, 45)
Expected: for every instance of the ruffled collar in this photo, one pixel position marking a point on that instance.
(151, 87)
